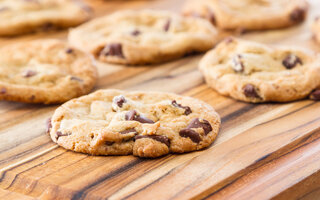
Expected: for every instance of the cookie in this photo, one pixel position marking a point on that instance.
(316, 29)
(143, 37)
(44, 71)
(145, 124)
(25, 16)
(254, 72)
(248, 15)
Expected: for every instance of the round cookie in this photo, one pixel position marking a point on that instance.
(25, 16)
(249, 14)
(44, 71)
(143, 37)
(254, 72)
(145, 124)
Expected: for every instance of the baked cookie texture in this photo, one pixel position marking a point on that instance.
(25, 16)
(254, 72)
(248, 15)
(44, 71)
(145, 124)
(143, 37)
(316, 29)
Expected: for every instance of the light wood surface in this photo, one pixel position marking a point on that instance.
(263, 151)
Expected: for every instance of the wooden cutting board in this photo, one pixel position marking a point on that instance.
(263, 151)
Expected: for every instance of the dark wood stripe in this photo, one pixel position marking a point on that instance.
(269, 155)
(17, 174)
(8, 159)
(80, 194)
(4, 172)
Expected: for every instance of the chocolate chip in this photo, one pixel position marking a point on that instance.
(28, 73)
(47, 26)
(135, 33)
(212, 17)
(186, 108)
(237, 64)
(59, 134)
(49, 125)
(69, 50)
(133, 116)
(315, 95)
(193, 135)
(130, 115)
(297, 15)
(131, 130)
(113, 50)
(317, 18)
(3, 91)
(160, 138)
(119, 100)
(228, 40)
(32, 97)
(250, 91)
(109, 143)
(200, 123)
(76, 78)
(291, 61)
(166, 27)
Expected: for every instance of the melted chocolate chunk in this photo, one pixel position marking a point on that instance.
(29, 73)
(120, 100)
(3, 91)
(108, 143)
(131, 130)
(113, 50)
(250, 91)
(49, 125)
(237, 64)
(160, 138)
(166, 27)
(32, 97)
(291, 61)
(200, 123)
(193, 135)
(133, 116)
(76, 78)
(69, 50)
(228, 40)
(315, 95)
(186, 108)
(47, 26)
(297, 15)
(59, 134)
(135, 33)
(212, 17)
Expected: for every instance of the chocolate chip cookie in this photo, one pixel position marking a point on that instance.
(44, 71)
(25, 16)
(254, 72)
(145, 124)
(248, 14)
(143, 37)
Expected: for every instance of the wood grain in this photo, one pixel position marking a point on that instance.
(263, 151)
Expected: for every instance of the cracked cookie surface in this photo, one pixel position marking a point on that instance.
(145, 124)
(44, 71)
(248, 14)
(254, 72)
(25, 16)
(143, 37)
